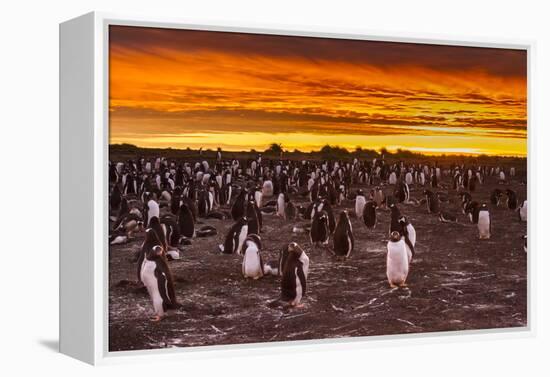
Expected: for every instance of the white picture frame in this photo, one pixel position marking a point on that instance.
(83, 179)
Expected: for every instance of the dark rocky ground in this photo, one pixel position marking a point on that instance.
(456, 282)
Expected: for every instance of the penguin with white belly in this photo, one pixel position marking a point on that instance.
(281, 205)
(155, 274)
(484, 222)
(284, 253)
(343, 236)
(397, 261)
(319, 232)
(409, 236)
(360, 202)
(294, 278)
(235, 237)
(522, 211)
(252, 265)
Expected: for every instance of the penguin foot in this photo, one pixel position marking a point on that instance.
(156, 318)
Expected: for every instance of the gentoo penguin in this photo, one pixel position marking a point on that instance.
(252, 266)
(153, 210)
(369, 214)
(185, 221)
(281, 205)
(283, 256)
(484, 223)
(155, 274)
(290, 209)
(395, 226)
(397, 261)
(252, 216)
(378, 196)
(206, 202)
(319, 232)
(343, 236)
(409, 178)
(409, 236)
(156, 226)
(495, 196)
(432, 201)
(434, 180)
(267, 188)
(402, 192)
(472, 210)
(235, 237)
(115, 198)
(392, 180)
(512, 199)
(522, 211)
(293, 281)
(239, 206)
(360, 202)
(446, 217)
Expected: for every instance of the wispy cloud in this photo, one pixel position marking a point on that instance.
(174, 82)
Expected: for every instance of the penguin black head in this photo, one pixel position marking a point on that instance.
(293, 247)
(360, 192)
(344, 215)
(403, 220)
(395, 236)
(256, 239)
(154, 252)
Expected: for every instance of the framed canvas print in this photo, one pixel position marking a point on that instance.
(226, 187)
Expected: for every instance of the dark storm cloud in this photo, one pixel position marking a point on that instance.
(499, 62)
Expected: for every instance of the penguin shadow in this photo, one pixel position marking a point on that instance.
(50, 344)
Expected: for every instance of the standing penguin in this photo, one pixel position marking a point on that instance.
(281, 205)
(432, 201)
(115, 198)
(343, 236)
(252, 215)
(484, 223)
(409, 236)
(235, 237)
(252, 266)
(239, 206)
(283, 256)
(294, 280)
(495, 196)
(397, 261)
(319, 232)
(369, 214)
(472, 210)
(395, 226)
(155, 274)
(522, 211)
(185, 221)
(153, 209)
(378, 196)
(360, 202)
(512, 199)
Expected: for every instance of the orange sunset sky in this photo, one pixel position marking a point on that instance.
(181, 88)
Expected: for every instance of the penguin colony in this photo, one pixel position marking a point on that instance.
(164, 204)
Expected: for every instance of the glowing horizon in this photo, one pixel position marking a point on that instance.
(179, 89)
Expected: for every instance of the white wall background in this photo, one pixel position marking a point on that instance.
(29, 136)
